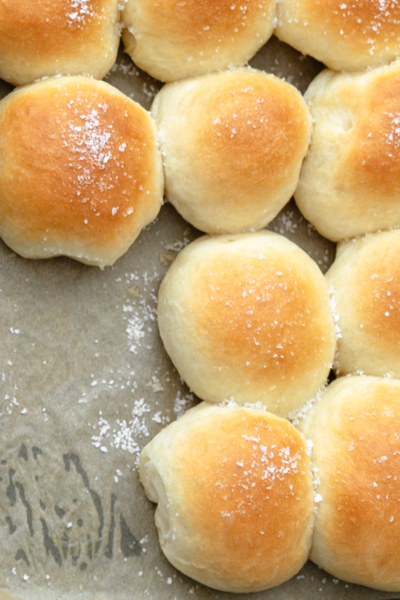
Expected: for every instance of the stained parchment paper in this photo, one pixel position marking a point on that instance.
(84, 384)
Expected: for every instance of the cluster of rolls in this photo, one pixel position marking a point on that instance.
(236, 505)
(83, 181)
(251, 324)
(173, 40)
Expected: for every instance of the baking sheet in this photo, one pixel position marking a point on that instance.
(84, 385)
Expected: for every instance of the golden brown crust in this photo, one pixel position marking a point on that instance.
(40, 38)
(378, 295)
(373, 155)
(242, 495)
(345, 36)
(355, 430)
(233, 145)
(78, 168)
(258, 135)
(247, 316)
(365, 280)
(199, 23)
(255, 135)
(173, 40)
(257, 312)
(370, 23)
(350, 184)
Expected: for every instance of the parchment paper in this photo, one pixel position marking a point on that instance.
(84, 385)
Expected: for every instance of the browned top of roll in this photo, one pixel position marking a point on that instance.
(350, 180)
(240, 498)
(373, 154)
(77, 163)
(373, 20)
(203, 22)
(365, 280)
(252, 315)
(377, 294)
(345, 35)
(245, 463)
(47, 35)
(356, 435)
(247, 317)
(249, 130)
(368, 488)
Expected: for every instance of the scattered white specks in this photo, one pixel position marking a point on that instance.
(82, 10)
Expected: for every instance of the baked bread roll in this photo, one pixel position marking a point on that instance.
(246, 317)
(233, 144)
(350, 180)
(346, 36)
(355, 430)
(365, 281)
(235, 500)
(71, 37)
(80, 171)
(172, 40)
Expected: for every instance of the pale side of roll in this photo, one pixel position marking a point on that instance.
(348, 35)
(365, 282)
(233, 144)
(235, 498)
(247, 317)
(69, 37)
(350, 180)
(173, 40)
(80, 170)
(355, 430)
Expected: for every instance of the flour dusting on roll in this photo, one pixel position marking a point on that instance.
(172, 40)
(80, 171)
(50, 37)
(233, 144)
(235, 499)
(247, 317)
(346, 35)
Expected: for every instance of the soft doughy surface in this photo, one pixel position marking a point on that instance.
(350, 180)
(234, 494)
(80, 173)
(172, 40)
(355, 430)
(233, 144)
(346, 36)
(365, 280)
(247, 317)
(47, 37)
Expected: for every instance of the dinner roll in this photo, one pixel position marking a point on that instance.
(233, 144)
(246, 317)
(350, 180)
(355, 430)
(348, 35)
(80, 172)
(172, 40)
(72, 37)
(365, 281)
(235, 499)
